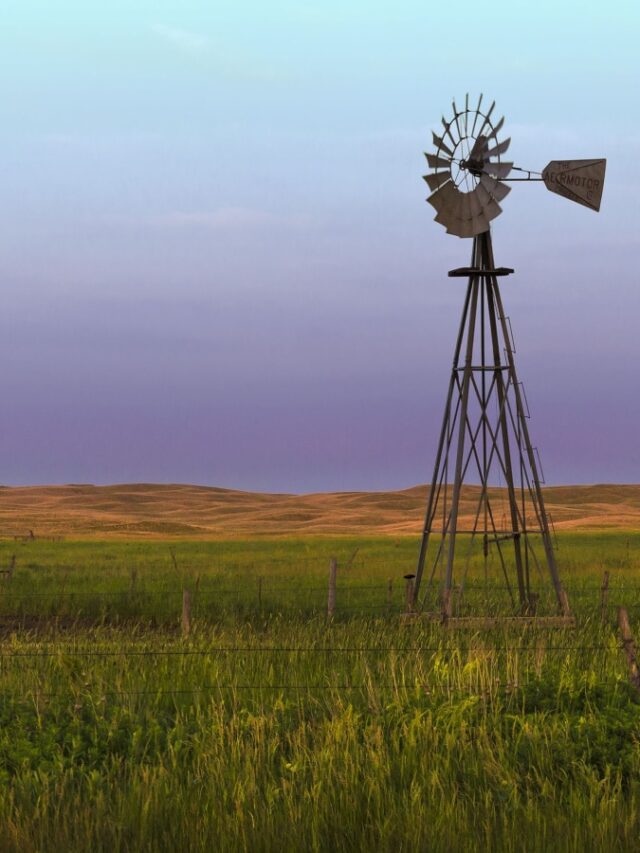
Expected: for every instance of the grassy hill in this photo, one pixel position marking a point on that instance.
(198, 511)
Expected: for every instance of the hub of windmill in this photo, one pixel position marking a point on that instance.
(474, 167)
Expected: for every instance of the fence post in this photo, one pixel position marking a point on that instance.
(390, 595)
(458, 590)
(629, 647)
(260, 595)
(186, 612)
(408, 593)
(604, 597)
(331, 599)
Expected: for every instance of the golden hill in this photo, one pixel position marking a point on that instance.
(198, 511)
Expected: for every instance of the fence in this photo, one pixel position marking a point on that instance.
(260, 595)
(58, 654)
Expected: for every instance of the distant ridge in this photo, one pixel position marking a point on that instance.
(155, 511)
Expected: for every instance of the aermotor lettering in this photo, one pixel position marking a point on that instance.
(573, 179)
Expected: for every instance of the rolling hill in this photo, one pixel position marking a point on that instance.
(143, 510)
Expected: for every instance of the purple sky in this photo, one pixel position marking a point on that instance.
(218, 266)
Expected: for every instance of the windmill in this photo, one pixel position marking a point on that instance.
(502, 518)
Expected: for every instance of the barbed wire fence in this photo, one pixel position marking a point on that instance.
(185, 604)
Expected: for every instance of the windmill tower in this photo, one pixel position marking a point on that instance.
(501, 519)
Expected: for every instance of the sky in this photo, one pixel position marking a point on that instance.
(216, 261)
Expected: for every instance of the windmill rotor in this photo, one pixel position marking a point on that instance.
(467, 170)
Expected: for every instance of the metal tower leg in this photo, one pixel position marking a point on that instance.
(443, 441)
(462, 432)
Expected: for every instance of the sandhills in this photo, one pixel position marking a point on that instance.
(154, 511)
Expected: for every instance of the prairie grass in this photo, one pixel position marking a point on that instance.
(109, 580)
(272, 728)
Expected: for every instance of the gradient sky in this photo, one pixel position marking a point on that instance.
(218, 266)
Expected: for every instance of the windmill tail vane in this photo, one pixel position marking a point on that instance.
(486, 506)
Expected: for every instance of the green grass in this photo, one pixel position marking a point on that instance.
(270, 728)
(111, 580)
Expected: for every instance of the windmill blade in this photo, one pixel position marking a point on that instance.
(490, 207)
(436, 162)
(479, 224)
(498, 170)
(435, 181)
(497, 190)
(496, 129)
(499, 149)
(456, 114)
(581, 181)
(473, 129)
(440, 145)
(465, 206)
(449, 205)
(469, 225)
(466, 113)
(487, 117)
(452, 223)
(461, 228)
(447, 131)
(478, 147)
(443, 196)
(475, 207)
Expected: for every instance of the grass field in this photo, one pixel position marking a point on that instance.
(271, 728)
(143, 580)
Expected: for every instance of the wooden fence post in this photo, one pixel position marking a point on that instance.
(604, 597)
(333, 575)
(408, 593)
(390, 595)
(186, 612)
(459, 593)
(629, 647)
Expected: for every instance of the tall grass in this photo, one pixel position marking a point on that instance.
(275, 729)
(298, 734)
